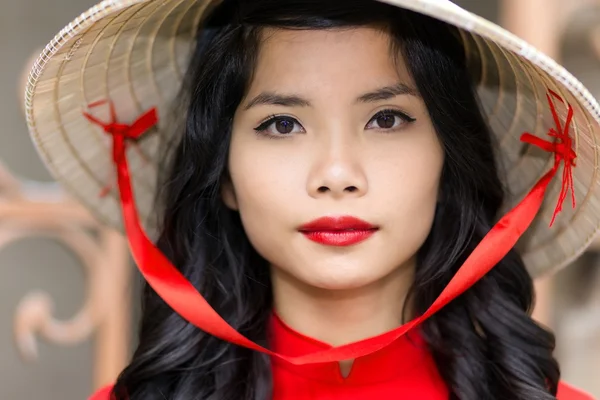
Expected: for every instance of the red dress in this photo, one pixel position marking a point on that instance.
(403, 370)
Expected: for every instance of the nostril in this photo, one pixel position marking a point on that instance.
(322, 189)
(351, 189)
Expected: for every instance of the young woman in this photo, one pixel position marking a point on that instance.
(335, 184)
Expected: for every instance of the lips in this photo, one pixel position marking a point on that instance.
(338, 231)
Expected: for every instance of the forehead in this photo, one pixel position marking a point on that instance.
(310, 59)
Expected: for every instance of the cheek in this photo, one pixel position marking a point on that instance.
(413, 183)
(406, 187)
(267, 189)
(410, 169)
(262, 179)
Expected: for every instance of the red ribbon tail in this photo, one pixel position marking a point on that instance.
(143, 124)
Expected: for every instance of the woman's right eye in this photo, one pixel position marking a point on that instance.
(279, 126)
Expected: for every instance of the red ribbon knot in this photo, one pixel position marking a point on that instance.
(562, 147)
(123, 132)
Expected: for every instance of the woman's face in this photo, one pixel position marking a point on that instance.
(333, 127)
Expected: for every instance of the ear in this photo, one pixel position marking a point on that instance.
(228, 194)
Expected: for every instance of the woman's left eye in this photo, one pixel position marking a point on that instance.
(389, 120)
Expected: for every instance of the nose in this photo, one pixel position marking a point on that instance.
(337, 171)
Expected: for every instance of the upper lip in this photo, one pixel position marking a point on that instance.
(336, 223)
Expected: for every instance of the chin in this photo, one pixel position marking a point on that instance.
(335, 278)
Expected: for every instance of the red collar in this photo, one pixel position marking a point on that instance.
(406, 356)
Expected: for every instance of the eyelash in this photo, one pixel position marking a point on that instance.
(406, 119)
(263, 127)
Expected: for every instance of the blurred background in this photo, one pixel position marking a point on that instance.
(67, 287)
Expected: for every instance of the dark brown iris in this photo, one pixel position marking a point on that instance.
(284, 126)
(385, 121)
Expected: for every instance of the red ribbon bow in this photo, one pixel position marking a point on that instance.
(122, 132)
(174, 288)
(562, 147)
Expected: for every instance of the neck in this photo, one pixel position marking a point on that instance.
(338, 317)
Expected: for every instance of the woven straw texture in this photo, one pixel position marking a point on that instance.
(135, 52)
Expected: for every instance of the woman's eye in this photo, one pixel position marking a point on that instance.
(389, 120)
(279, 126)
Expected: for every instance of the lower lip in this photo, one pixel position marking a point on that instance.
(340, 238)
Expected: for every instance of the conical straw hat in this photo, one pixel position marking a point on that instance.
(135, 52)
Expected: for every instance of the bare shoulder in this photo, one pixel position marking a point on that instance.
(568, 392)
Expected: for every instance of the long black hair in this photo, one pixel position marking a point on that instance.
(485, 343)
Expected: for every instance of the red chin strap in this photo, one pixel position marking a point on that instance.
(179, 293)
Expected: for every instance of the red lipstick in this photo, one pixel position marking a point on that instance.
(338, 231)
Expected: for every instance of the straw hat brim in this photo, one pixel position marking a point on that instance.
(135, 52)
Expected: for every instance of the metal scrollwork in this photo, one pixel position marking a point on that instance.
(42, 210)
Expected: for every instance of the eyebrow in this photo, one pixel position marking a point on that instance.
(384, 93)
(388, 92)
(271, 98)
